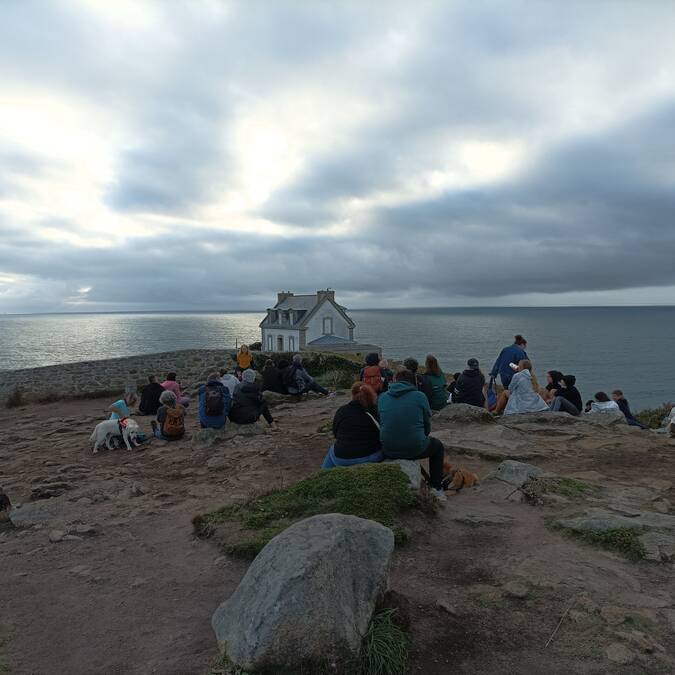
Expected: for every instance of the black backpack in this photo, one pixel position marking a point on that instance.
(214, 400)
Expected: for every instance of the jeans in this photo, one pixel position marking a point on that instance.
(436, 454)
(332, 461)
(560, 404)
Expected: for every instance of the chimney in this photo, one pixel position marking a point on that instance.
(283, 295)
(328, 294)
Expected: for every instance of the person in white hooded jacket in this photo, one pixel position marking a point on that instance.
(603, 404)
(522, 398)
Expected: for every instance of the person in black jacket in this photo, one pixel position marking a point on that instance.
(272, 380)
(357, 431)
(617, 396)
(150, 404)
(469, 386)
(248, 404)
(567, 397)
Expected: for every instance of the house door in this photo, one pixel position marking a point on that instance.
(280, 344)
(291, 343)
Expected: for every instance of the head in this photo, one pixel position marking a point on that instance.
(213, 376)
(601, 397)
(243, 349)
(411, 365)
(223, 372)
(554, 376)
(297, 360)
(171, 376)
(248, 376)
(455, 376)
(569, 381)
(269, 363)
(364, 394)
(151, 379)
(524, 364)
(617, 395)
(472, 364)
(431, 365)
(588, 405)
(384, 363)
(405, 376)
(520, 341)
(168, 398)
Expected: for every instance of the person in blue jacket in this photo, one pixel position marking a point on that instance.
(214, 403)
(405, 424)
(512, 354)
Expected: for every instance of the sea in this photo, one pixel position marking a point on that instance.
(628, 348)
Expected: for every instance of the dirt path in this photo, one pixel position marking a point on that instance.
(133, 591)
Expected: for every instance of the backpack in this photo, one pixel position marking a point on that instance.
(372, 376)
(214, 401)
(174, 426)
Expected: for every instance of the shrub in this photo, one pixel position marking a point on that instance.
(337, 379)
(384, 650)
(653, 417)
(316, 363)
(15, 398)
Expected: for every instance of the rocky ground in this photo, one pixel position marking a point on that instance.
(105, 576)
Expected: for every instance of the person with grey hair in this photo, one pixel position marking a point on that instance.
(248, 404)
(170, 424)
(298, 381)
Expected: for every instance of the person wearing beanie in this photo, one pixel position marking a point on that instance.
(248, 404)
(567, 397)
(469, 386)
(422, 385)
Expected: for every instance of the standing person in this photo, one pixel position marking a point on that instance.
(371, 374)
(436, 383)
(248, 404)
(244, 359)
(567, 398)
(618, 398)
(602, 404)
(298, 381)
(469, 386)
(405, 425)
(150, 396)
(357, 431)
(170, 384)
(387, 373)
(170, 424)
(421, 384)
(214, 403)
(512, 354)
(521, 396)
(230, 381)
(272, 378)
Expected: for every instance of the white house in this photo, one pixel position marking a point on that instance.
(307, 322)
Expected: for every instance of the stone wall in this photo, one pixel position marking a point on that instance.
(112, 376)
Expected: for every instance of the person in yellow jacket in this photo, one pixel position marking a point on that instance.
(244, 359)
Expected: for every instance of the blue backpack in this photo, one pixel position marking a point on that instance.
(491, 395)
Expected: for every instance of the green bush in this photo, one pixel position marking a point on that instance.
(653, 417)
(384, 650)
(316, 363)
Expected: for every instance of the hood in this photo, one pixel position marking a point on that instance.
(399, 389)
(472, 372)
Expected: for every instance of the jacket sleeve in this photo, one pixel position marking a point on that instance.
(498, 364)
(336, 421)
(426, 412)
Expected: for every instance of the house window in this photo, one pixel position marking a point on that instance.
(280, 343)
(328, 325)
(270, 343)
(291, 343)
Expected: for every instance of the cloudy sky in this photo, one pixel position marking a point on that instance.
(204, 154)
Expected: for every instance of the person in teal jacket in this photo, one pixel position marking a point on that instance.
(437, 390)
(405, 425)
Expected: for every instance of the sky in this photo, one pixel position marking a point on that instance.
(204, 154)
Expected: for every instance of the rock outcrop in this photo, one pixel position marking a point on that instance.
(308, 597)
(206, 438)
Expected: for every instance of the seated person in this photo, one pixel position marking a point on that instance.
(371, 374)
(170, 424)
(230, 381)
(244, 359)
(170, 384)
(553, 383)
(248, 404)
(567, 398)
(214, 403)
(150, 397)
(357, 431)
(405, 424)
(422, 384)
(436, 384)
(120, 409)
(618, 398)
(469, 386)
(299, 381)
(602, 404)
(272, 378)
(452, 387)
(521, 396)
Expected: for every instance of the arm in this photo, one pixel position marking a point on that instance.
(498, 364)
(426, 413)
(336, 421)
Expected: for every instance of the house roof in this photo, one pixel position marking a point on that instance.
(305, 307)
(297, 302)
(330, 340)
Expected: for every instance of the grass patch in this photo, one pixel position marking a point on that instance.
(624, 540)
(653, 417)
(5, 637)
(377, 492)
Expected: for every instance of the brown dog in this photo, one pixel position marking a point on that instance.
(460, 477)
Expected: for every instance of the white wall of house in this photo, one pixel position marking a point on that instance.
(290, 339)
(327, 321)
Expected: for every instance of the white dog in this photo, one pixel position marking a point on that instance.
(105, 431)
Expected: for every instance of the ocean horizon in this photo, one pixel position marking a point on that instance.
(606, 347)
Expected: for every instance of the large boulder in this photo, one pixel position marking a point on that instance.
(514, 473)
(461, 413)
(206, 438)
(308, 597)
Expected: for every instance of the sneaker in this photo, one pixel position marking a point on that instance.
(439, 495)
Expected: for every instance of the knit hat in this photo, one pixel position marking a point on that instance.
(411, 364)
(473, 364)
(248, 375)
